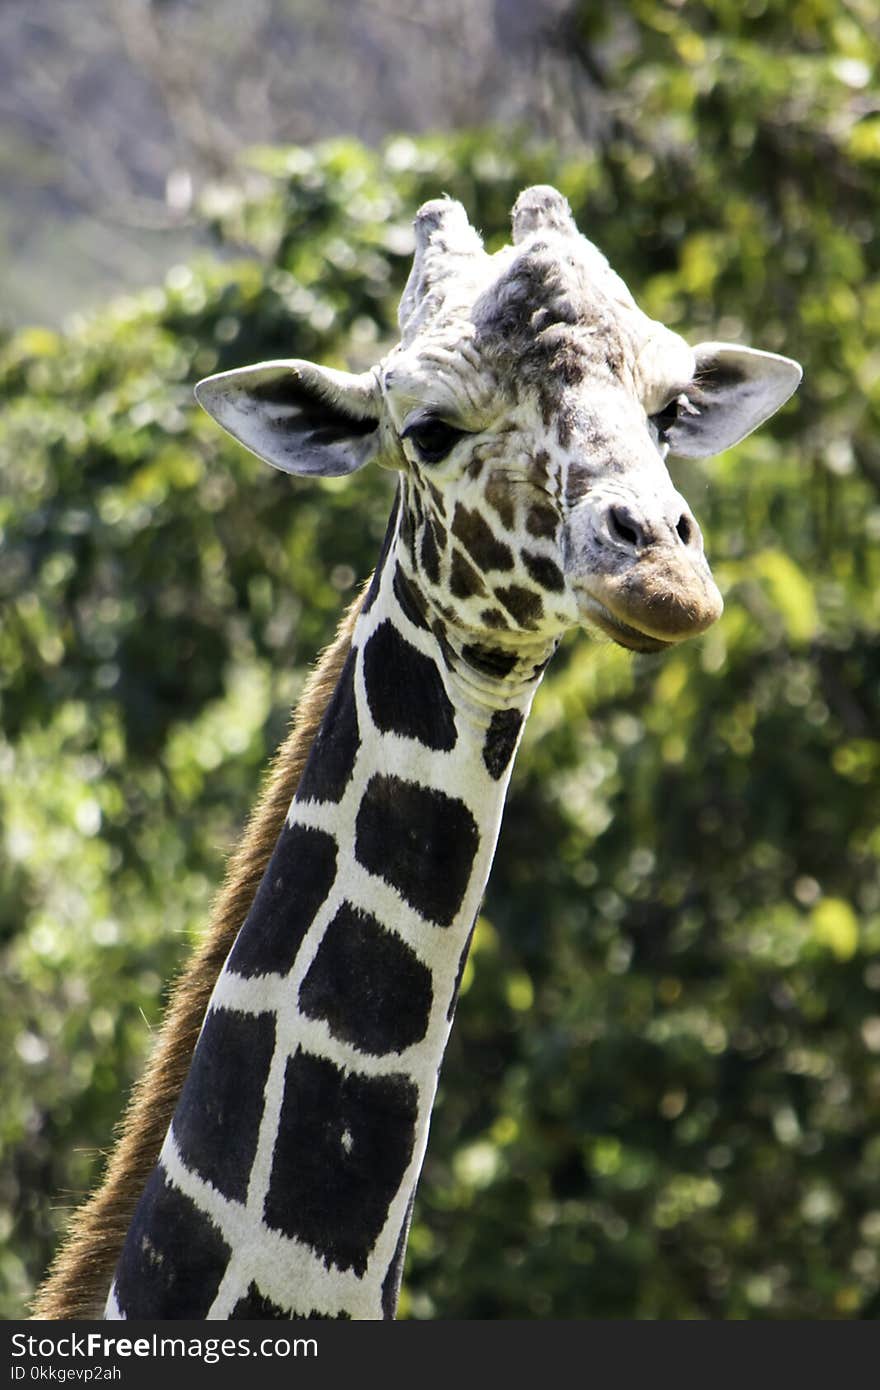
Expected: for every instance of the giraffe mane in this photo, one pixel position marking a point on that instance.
(78, 1282)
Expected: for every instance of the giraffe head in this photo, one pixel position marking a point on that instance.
(529, 408)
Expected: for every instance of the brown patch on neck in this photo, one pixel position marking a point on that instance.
(79, 1281)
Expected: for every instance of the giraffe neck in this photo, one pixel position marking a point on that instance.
(287, 1176)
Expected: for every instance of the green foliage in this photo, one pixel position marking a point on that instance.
(661, 1094)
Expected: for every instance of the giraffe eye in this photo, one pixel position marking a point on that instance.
(666, 418)
(433, 438)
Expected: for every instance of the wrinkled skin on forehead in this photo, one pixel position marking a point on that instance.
(529, 409)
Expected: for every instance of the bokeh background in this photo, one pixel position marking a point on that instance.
(662, 1095)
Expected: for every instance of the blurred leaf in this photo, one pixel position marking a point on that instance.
(835, 925)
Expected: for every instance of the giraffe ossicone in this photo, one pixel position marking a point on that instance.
(527, 410)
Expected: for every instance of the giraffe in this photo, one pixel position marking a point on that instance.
(270, 1157)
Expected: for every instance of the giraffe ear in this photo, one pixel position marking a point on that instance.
(735, 390)
(299, 417)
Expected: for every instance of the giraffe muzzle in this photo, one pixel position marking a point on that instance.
(644, 580)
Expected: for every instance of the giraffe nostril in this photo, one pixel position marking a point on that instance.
(623, 526)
